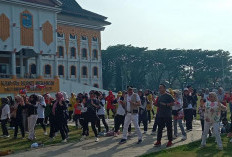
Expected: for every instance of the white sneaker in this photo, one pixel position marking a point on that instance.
(184, 138)
(45, 133)
(83, 138)
(231, 140)
(64, 141)
(97, 139)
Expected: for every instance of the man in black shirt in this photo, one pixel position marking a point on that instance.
(164, 104)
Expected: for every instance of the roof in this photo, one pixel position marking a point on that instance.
(73, 8)
(51, 3)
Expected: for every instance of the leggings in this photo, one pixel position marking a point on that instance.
(86, 128)
(102, 117)
(119, 120)
(19, 124)
(41, 122)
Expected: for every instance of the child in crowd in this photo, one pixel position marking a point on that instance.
(212, 115)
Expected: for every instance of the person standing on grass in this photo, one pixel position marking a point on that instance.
(40, 111)
(32, 115)
(131, 103)
(165, 103)
(109, 99)
(5, 116)
(19, 106)
(77, 112)
(213, 110)
(143, 111)
(188, 109)
(72, 102)
(178, 114)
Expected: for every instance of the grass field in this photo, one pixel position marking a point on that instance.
(23, 144)
(193, 150)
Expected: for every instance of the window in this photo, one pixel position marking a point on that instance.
(95, 39)
(60, 35)
(47, 69)
(73, 70)
(95, 71)
(84, 53)
(95, 54)
(96, 85)
(84, 71)
(60, 70)
(61, 51)
(17, 70)
(33, 69)
(83, 38)
(72, 36)
(2, 69)
(73, 52)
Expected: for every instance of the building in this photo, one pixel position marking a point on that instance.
(45, 42)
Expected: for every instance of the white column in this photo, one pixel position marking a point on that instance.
(39, 66)
(13, 65)
(21, 66)
(55, 67)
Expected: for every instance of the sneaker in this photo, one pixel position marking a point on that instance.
(122, 141)
(153, 132)
(157, 144)
(64, 141)
(97, 139)
(175, 137)
(115, 134)
(139, 141)
(45, 133)
(169, 144)
(231, 140)
(6, 136)
(184, 138)
(83, 138)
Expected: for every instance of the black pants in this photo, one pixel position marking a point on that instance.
(76, 118)
(108, 112)
(93, 124)
(143, 118)
(162, 122)
(4, 128)
(53, 126)
(230, 123)
(155, 125)
(188, 115)
(12, 122)
(70, 115)
(102, 117)
(223, 115)
(149, 115)
(41, 122)
(46, 120)
(19, 124)
(119, 120)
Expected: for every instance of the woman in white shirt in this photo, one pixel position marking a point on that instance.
(5, 116)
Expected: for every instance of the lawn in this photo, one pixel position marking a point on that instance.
(23, 144)
(193, 150)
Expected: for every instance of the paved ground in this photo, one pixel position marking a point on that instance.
(108, 146)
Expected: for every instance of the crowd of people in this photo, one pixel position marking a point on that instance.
(173, 107)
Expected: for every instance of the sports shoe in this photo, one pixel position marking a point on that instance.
(83, 138)
(175, 137)
(6, 136)
(231, 140)
(122, 141)
(157, 144)
(139, 141)
(153, 133)
(64, 141)
(184, 138)
(97, 139)
(45, 133)
(169, 144)
(115, 134)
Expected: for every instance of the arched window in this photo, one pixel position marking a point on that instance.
(96, 85)
(95, 54)
(60, 70)
(33, 69)
(73, 70)
(83, 37)
(61, 51)
(95, 39)
(95, 71)
(47, 69)
(84, 53)
(73, 52)
(84, 72)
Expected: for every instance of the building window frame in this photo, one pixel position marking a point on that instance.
(95, 71)
(73, 70)
(60, 51)
(95, 54)
(71, 52)
(61, 70)
(84, 53)
(60, 35)
(47, 71)
(72, 37)
(84, 75)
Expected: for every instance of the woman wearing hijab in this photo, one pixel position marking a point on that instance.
(58, 118)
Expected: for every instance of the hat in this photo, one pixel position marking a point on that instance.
(186, 89)
(130, 88)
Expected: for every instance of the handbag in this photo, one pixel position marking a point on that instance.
(175, 112)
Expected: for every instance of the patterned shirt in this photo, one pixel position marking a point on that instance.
(212, 112)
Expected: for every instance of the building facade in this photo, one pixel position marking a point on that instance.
(44, 40)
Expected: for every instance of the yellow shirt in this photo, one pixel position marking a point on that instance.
(72, 101)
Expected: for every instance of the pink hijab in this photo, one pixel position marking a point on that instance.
(59, 97)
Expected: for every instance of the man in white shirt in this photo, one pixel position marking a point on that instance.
(5, 116)
(131, 103)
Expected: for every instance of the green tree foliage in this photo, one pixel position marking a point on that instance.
(127, 65)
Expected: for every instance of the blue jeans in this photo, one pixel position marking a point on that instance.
(179, 121)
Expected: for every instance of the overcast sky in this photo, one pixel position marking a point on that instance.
(188, 24)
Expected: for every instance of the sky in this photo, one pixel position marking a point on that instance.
(171, 24)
